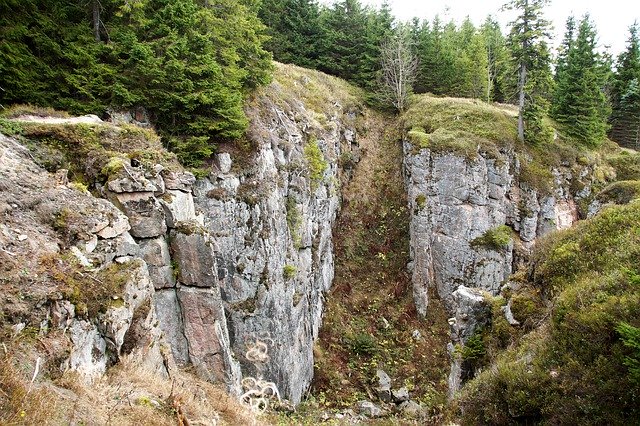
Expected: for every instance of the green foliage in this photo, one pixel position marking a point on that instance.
(626, 164)
(315, 162)
(189, 64)
(10, 128)
(631, 339)
(625, 96)
(497, 238)
(621, 192)
(421, 201)
(294, 221)
(591, 275)
(362, 344)
(530, 53)
(579, 99)
(288, 272)
(473, 350)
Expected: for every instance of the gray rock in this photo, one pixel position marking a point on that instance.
(400, 395)
(224, 162)
(384, 385)
(155, 253)
(178, 207)
(411, 409)
(178, 180)
(206, 334)
(195, 259)
(146, 216)
(369, 409)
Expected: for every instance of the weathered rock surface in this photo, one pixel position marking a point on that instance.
(454, 201)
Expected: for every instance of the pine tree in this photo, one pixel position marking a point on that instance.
(294, 30)
(497, 61)
(625, 117)
(580, 100)
(530, 54)
(561, 63)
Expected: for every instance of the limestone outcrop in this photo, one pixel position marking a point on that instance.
(473, 220)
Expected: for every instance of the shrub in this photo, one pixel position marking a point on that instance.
(363, 344)
(288, 272)
(316, 162)
(496, 238)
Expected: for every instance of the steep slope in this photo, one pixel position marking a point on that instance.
(370, 320)
(479, 202)
(579, 366)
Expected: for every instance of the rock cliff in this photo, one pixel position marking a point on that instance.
(477, 208)
(237, 259)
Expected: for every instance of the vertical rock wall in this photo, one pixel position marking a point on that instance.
(455, 200)
(271, 224)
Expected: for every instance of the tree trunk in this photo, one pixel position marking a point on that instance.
(96, 19)
(521, 99)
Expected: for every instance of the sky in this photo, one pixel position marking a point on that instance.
(612, 17)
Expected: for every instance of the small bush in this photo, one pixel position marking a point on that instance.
(496, 239)
(316, 162)
(289, 271)
(363, 344)
(620, 192)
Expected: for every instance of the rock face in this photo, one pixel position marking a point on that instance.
(457, 203)
(271, 225)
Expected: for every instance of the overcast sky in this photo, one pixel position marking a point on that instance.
(612, 17)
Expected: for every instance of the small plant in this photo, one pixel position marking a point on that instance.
(316, 162)
(631, 339)
(496, 238)
(288, 272)
(294, 220)
(421, 201)
(363, 344)
(10, 128)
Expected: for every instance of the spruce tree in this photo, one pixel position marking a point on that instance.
(580, 100)
(531, 57)
(561, 63)
(497, 88)
(625, 117)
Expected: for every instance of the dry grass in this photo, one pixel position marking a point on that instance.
(127, 395)
(371, 283)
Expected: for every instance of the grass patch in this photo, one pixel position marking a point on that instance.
(497, 238)
(316, 163)
(575, 367)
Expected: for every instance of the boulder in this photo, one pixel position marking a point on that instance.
(146, 216)
(368, 409)
(155, 253)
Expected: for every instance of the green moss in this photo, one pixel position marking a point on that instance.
(626, 164)
(418, 137)
(575, 367)
(294, 221)
(289, 271)
(496, 238)
(421, 201)
(620, 192)
(315, 162)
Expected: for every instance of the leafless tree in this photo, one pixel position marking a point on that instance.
(399, 67)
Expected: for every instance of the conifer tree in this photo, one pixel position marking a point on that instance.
(561, 64)
(497, 61)
(580, 100)
(530, 54)
(625, 117)
(294, 30)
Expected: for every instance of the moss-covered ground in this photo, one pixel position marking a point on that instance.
(370, 318)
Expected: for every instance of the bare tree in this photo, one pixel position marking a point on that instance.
(399, 67)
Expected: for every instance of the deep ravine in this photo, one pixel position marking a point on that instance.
(370, 320)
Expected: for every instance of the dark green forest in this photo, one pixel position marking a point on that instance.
(192, 63)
